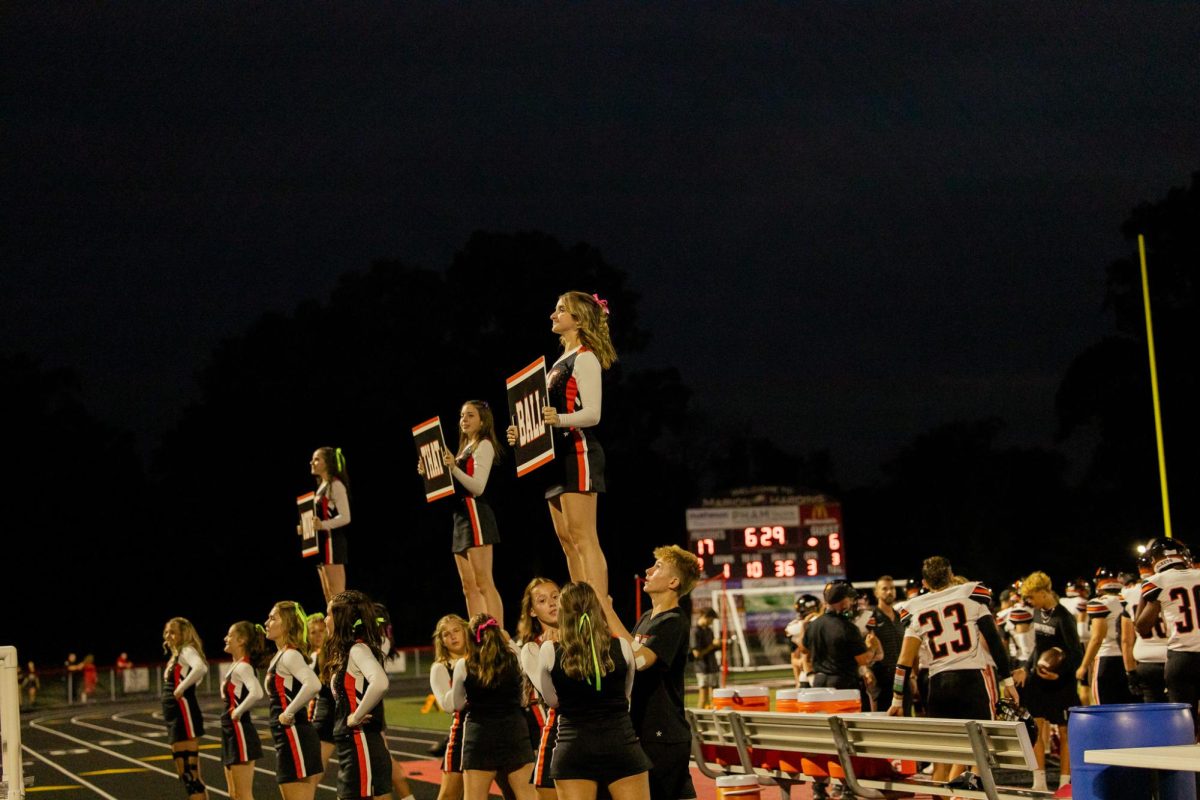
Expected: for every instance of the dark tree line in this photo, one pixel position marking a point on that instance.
(207, 530)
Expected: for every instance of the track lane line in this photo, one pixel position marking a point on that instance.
(68, 773)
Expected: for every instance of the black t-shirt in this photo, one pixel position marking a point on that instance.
(891, 637)
(657, 703)
(702, 640)
(833, 641)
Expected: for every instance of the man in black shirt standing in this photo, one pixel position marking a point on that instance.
(886, 625)
(834, 643)
(660, 651)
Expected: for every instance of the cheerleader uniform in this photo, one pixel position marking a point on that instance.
(440, 684)
(495, 736)
(320, 708)
(331, 504)
(574, 389)
(474, 522)
(596, 739)
(290, 684)
(182, 714)
(542, 720)
(239, 739)
(364, 764)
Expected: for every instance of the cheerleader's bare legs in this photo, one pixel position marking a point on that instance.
(479, 589)
(635, 787)
(333, 579)
(574, 518)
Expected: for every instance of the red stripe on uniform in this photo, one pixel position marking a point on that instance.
(476, 533)
(189, 727)
(451, 741)
(539, 770)
(581, 461)
(364, 765)
(294, 744)
(989, 682)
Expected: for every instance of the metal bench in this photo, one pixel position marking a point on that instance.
(858, 750)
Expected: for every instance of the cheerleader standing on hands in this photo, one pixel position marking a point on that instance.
(475, 529)
(331, 517)
(240, 746)
(181, 711)
(576, 394)
(291, 684)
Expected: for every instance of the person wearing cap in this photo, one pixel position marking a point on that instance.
(833, 642)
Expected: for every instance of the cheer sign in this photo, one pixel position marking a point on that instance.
(431, 445)
(527, 396)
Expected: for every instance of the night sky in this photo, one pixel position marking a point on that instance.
(848, 222)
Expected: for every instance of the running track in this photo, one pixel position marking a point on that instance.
(120, 752)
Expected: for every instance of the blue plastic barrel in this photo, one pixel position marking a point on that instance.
(1110, 727)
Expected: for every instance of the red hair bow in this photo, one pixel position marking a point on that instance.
(602, 303)
(483, 626)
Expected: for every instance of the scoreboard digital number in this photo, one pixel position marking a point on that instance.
(757, 542)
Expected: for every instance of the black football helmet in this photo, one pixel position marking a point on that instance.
(807, 604)
(1168, 554)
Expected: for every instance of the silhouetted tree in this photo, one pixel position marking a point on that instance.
(1106, 394)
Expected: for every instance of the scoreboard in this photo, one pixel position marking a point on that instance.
(782, 538)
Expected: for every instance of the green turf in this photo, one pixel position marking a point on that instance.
(406, 711)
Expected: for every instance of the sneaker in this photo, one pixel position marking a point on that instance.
(1063, 791)
(967, 780)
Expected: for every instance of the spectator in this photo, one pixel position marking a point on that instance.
(31, 683)
(74, 683)
(704, 653)
(90, 677)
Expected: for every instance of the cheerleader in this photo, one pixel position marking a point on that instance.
(331, 517)
(449, 645)
(400, 787)
(539, 623)
(588, 676)
(488, 684)
(291, 684)
(575, 394)
(354, 671)
(181, 710)
(320, 708)
(475, 529)
(240, 747)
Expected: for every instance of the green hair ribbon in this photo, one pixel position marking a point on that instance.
(585, 619)
(341, 460)
(303, 621)
(258, 627)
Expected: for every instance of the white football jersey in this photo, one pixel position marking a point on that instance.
(947, 621)
(1111, 609)
(1178, 594)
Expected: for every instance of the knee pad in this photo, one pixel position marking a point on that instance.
(190, 777)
